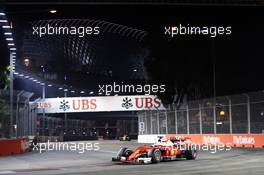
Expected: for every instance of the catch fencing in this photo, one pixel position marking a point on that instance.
(22, 122)
(236, 114)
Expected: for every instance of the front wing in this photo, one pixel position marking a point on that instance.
(141, 160)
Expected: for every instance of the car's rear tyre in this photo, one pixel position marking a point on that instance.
(155, 155)
(191, 154)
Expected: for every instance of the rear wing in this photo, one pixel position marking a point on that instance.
(174, 139)
(179, 139)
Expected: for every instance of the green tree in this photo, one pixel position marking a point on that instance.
(4, 107)
(4, 118)
(4, 77)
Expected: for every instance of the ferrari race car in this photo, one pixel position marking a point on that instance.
(165, 149)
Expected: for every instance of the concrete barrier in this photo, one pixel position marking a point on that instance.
(14, 146)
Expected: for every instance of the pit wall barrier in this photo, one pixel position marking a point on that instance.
(234, 140)
(14, 146)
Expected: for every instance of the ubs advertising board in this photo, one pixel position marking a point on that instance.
(97, 104)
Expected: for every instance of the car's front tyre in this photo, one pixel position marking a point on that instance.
(155, 155)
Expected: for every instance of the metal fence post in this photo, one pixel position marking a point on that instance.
(33, 121)
(166, 119)
(29, 118)
(142, 120)
(214, 114)
(138, 116)
(65, 117)
(151, 132)
(25, 121)
(17, 112)
(176, 122)
(146, 123)
(230, 116)
(249, 117)
(43, 97)
(200, 118)
(158, 122)
(21, 122)
(248, 113)
(34, 118)
(11, 127)
(139, 120)
(188, 117)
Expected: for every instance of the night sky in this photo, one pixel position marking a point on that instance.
(238, 56)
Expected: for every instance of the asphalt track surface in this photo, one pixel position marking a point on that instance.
(234, 162)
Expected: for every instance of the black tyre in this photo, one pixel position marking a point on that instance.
(155, 155)
(124, 152)
(191, 154)
(121, 152)
(127, 152)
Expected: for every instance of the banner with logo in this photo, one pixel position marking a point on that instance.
(98, 104)
(234, 140)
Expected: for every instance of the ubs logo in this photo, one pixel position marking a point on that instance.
(147, 102)
(127, 103)
(64, 105)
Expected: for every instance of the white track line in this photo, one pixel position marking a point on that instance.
(113, 152)
(7, 172)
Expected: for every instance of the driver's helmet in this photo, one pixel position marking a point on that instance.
(166, 141)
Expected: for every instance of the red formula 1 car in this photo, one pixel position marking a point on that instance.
(165, 149)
